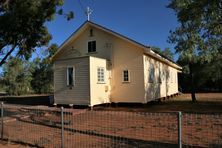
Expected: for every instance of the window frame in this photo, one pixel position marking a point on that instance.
(91, 32)
(159, 74)
(90, 41)
(151, 71)
(99, 76)
(68, 78)
(123, 76)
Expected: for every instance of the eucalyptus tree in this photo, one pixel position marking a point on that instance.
(199, 34)
(22, 26)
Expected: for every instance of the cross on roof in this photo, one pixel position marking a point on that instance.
(88, 13)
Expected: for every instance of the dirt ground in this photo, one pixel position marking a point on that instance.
(150, 125)
(4, 144)
(206, 103)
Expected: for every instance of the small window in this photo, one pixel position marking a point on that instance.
(100, 75)
(160, 75)
(125, 76)
(151, 73)
(91, 46)
(91, 32)
(167, 76)
(70, 76)
(163, 75)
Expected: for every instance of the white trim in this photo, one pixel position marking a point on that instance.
(147, 50)
(151, 74)
(73, 75)
(123, 76)
(104, 76)
(159, 74)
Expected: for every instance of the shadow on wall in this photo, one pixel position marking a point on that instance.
(160, 83)
(167, 77)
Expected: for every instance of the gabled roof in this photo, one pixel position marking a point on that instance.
(147, 49)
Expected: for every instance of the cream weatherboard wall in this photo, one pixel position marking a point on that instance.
(165, 82)
(79, 94)
(115, 53)
(79, 46)
(99, 91)
(127, 56)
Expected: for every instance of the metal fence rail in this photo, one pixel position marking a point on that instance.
(56, 127)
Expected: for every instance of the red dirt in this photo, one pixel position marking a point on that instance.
(84, 128)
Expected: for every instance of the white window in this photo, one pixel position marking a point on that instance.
(151, 73)
(100, 75)
(70, 76)
(126, 76)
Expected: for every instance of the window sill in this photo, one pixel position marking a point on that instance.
(91, 53)
(101, 82)
(126, 82)
(70, 86)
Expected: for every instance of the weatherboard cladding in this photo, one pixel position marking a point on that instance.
(147, 49)
(123, 54)
(79, 93)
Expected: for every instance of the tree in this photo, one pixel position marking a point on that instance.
(199, 34)
(42, 75)
(167, 53)
(207, 75)
(17, 77)
(22, 26)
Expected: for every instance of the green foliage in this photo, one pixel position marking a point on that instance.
(22, 26)
(165, 53)
(17, 76)
(42, 75)
(200, 30)
(198, 37)
(22, 30)
(207, 76)
(23, 77)
(68, 16)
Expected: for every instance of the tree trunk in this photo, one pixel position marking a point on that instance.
(192, 83)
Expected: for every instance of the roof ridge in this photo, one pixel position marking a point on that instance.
(117, 34)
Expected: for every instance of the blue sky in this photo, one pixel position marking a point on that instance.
(146, 21)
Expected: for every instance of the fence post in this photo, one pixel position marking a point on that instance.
(62, 127)
(2, 121)
(179, 119)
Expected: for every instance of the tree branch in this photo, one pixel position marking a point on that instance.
(8, 54)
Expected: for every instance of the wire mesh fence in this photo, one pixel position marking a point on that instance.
(53, 127)
(28, 125)
(202, 130)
